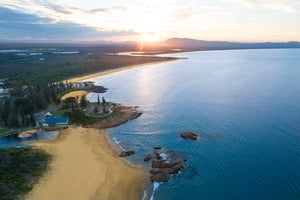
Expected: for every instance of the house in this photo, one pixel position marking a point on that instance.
(49, 114)
(4, 93)
(56, 121)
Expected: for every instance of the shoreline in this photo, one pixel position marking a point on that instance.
(105, 72)
(86, 165)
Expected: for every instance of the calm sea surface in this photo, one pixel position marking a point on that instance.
(245, 103)
(249, 98)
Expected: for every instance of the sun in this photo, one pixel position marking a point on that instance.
(148, 38)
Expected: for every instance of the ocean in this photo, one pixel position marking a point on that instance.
(244, 104)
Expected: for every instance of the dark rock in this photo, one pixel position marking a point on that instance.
(189, 135)
(154, 171)
(156, 164)
(169, 170)
(160, 177)
(168, 164)
(157, 156)
(147, 158)
(97, 89)
(126, 153)
(157, 147)
(178, 166)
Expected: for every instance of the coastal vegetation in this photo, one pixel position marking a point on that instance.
(30, 69)
(18, 110)
(20, 168)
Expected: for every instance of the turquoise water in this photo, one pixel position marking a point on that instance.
(246, 103)
(249, 98)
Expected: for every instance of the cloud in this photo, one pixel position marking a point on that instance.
(55, 7)
(283, 5)
(114, 8)
(17, 25)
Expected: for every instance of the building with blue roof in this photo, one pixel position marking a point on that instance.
(56, 121)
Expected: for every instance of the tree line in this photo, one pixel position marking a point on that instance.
(18, 110)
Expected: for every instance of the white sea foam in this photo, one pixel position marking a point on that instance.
(118, 143)
(163, 156)
(155, 187)
(116, 140)
(145, 195)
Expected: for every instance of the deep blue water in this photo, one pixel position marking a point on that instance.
(250, 97)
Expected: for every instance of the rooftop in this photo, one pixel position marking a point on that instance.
(56, 120)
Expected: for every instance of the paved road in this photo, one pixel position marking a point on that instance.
(41, 115)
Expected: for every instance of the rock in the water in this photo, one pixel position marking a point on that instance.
(157, 156)
(157, 147)
(178, 166)
(156, 164)
(126, 153)
(160, 177)
(147, 158)
(189, 135)
(154, 171)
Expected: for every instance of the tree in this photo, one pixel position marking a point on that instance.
(103, 101)
(32, 120)
(27, 121)
(69, 102)
(96, 109)
(98, 100)
(83, 102)
(12, 118)
(23, 117)
(1, 109)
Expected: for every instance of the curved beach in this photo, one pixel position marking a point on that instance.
(85, 166)
(102, 73)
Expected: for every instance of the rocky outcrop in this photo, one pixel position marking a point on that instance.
(160, 177)
(97, 89)
(125, 113)
(148, 157)
(189, 135)
(162, 169)
(126, 153)
(26, 134)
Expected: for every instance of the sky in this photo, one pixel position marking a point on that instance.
(150, 20)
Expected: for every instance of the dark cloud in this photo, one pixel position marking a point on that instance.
(16, 25)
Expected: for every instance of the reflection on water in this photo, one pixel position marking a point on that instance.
(15, 141)
(244, 104)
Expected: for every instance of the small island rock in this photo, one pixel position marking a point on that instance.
(189, 135)
(126, 153)
(147, 158)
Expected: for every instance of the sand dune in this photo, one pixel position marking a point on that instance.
(85, 167)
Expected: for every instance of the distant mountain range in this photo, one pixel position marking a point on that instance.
(184, 44)
(203, 44)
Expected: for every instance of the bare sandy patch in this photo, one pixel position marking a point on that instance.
(75, 94)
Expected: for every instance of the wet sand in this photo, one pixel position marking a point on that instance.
(85, 166)
(82, 78)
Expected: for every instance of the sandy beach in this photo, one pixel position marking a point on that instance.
(82, 78)
(86, 166)
(78, 93)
